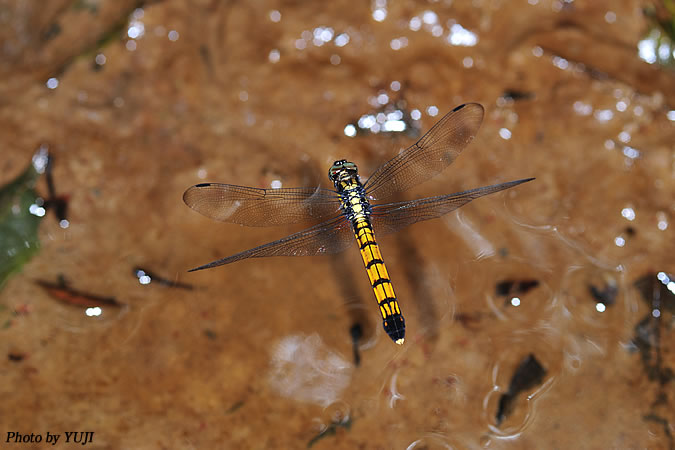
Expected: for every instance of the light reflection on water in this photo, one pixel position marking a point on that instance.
(391, 116)
(461, 36)
(305, 369)
(656, 48)
(275, 16)
(93, 312)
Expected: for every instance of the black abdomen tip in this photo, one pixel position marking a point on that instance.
(394, 325)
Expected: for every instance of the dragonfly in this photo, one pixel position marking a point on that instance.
(352, 209)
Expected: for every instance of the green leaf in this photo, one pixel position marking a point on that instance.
(20, 216)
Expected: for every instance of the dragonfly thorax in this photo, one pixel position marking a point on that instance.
(342, 171)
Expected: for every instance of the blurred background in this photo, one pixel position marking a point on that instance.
(540, 317)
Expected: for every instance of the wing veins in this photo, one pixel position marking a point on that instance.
(331, 236)
(430, 155)
(261, 207)
(391, 217)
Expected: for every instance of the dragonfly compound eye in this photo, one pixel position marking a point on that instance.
(335, 169)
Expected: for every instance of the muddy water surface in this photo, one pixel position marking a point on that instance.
(540, 317)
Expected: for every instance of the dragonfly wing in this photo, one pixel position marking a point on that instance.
(391, 217)
(256, 207)
(435, 151)
(332, 236)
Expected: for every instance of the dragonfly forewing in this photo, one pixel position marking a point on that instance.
(255, 207)
(435, 151)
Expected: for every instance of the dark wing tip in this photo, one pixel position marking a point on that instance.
(472, 115)
(191, 191)
(464, 105)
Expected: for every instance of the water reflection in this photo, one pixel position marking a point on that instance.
(379, 10)
(391, 117)
(100, 59)
(662, 221)
(630, 152)
(628, 213)
(505, 133)
(305, 369)
(461, 36)
(656, 47)
(275, 16)
(145, 277)
(322, 35)
(93, 312)
(560, 63)
(603, 115)
(341, 40)
(666, 281)
(398, 43)
(37, 210)
(136, 27)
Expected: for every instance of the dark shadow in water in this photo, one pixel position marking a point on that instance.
(412, 263)
(57, 203)
(16, 356)
(511, 288)
(605, 293)
(353, 302)
(652, 327)
(356, 331)
(649, 331)
(530, 373)
(515, 287)
(517, 95)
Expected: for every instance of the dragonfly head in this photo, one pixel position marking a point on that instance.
(342, 170)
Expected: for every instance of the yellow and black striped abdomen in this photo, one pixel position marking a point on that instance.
(393, 321)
